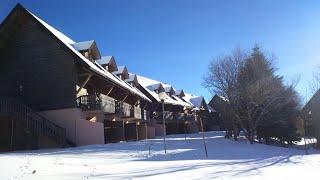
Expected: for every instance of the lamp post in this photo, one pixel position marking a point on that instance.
(162, 97)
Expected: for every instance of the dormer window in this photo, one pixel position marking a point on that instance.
(132, 80)
(109, 63)
(122, 72)
(86, 54)
(88, 49)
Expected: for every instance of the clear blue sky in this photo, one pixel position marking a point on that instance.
(174, 41)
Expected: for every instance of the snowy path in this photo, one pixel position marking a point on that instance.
(185, 159)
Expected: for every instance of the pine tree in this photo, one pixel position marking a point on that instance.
(268, 107)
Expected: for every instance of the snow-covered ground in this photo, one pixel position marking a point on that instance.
(185, 159)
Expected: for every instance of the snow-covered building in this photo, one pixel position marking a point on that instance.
(108, 63)
(223, 116)
(311, 115)
(178, 112)
(59, 90)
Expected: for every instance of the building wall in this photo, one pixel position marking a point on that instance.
(89, 132)
(313, 121)
(79, 131)
(225, 115)
(66, 118)
(34, 67)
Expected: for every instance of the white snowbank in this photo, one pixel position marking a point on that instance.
(185, 160)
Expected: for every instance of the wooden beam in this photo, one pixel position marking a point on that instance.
(83, 74)
(145, 105)
(110, 91)
(124, 98)
(84, 83)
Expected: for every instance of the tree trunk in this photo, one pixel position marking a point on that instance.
(235, 132)
(318, 143)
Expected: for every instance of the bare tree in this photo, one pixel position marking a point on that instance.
(315, 84)
(222, 79)
(257, 97)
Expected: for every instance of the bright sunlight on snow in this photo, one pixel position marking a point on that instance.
(185, 159)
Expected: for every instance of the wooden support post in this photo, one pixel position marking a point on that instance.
(124, 98)
(137, 133)
(123, 131)
(203, 138)
(147, 139)
(110, 91)
(185, 130)
(12, 134)
(84, 83)
(164, 128)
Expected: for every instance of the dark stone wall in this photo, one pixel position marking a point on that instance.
(34, 67)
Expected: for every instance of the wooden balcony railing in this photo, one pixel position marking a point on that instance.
(137, 112)
(144, 115)
(89, 103)
(94, 103)
(123, 109)
(32, 120)
(110, 105)
(169, 116)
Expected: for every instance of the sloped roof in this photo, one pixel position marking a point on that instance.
(197, 101)
(92, 66)
(132, 77)
(84, 45)
(156, 86)
(169, 89)
(121, 69)
(105, 60)
(179, 92)
(312, 100)
(150, 85)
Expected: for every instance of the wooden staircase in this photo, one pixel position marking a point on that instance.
(31, 120)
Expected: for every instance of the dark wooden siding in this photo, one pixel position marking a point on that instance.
(33, 59)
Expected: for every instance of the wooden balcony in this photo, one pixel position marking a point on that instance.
(110, 106)
(94, 103)
(123, 109)
(136, 112)
(171, 116)
(144, 115)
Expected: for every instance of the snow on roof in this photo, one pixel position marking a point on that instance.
(156, 86)
(223, 98)
(181, 101)
(120, 70)
(93, 66)
(104, 60)
(131, 78)
(82, 45)
(150, 85)
(197, 101)
(169, 89)
(179, 92)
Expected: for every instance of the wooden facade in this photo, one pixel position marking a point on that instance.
(35, 68)
(224, 116)
(46, 74)
(311, 116)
